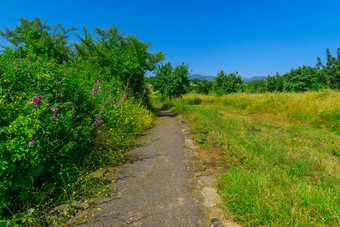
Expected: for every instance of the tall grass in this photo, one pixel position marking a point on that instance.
(319, 108)
(279, 169)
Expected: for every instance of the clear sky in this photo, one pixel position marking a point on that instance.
(256, 38)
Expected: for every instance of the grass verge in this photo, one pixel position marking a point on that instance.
(278, 170)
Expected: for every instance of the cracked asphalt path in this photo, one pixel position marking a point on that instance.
(156, 189)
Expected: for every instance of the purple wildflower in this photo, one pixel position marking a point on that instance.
(144, 91)
(75, 136)
(93, 91)
(31, 101)
(62, 89)
(99, 89)
(74, 112)
(34, 91)
(35, 106)
(55, 111)
(31, 143)
(118, 93)
(118, 103)
(98, 82)
(39, 97)
(125, 96)
(127, 85)
(98, 118)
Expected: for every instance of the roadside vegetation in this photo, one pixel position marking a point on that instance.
(66, 110)
(69, 109)
(276, 156)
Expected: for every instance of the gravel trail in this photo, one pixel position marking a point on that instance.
(156, 189)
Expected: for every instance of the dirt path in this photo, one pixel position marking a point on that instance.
(156, 190)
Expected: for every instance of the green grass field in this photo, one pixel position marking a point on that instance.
(277, 155)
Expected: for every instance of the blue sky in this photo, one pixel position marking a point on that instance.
(256, 38)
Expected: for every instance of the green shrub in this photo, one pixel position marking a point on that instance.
(64, 116)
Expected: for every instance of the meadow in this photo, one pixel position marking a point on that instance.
(276, 155)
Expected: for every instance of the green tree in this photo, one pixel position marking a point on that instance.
(204, 86)
(255, 86)
(329, 74)
(300, 79)
(227, 83)
(36, 37)
(274, 83)
(161, 80)
(117, 58)
(171, 82)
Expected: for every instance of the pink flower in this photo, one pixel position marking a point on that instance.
(31, 101)
(98, 118)
(93, 91)
(125, 96)
(144, 91)
(98, 82)
(127, 85)
(75, 136)
(31, 143)
(34, 90)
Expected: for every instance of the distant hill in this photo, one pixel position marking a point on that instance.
(254, 78)
(201, 77)
(247, 79)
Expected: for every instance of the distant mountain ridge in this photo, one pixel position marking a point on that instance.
(254, 78)
(201, 77)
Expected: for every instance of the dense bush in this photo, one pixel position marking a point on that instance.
(300, 79)
(63, 112)
(114, 57)
(254, 86)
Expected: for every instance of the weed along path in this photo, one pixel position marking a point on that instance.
(157, 188)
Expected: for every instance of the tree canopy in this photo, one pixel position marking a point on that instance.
(227, 82)
(171, 82)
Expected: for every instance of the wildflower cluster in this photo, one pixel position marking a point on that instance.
(36, 100)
